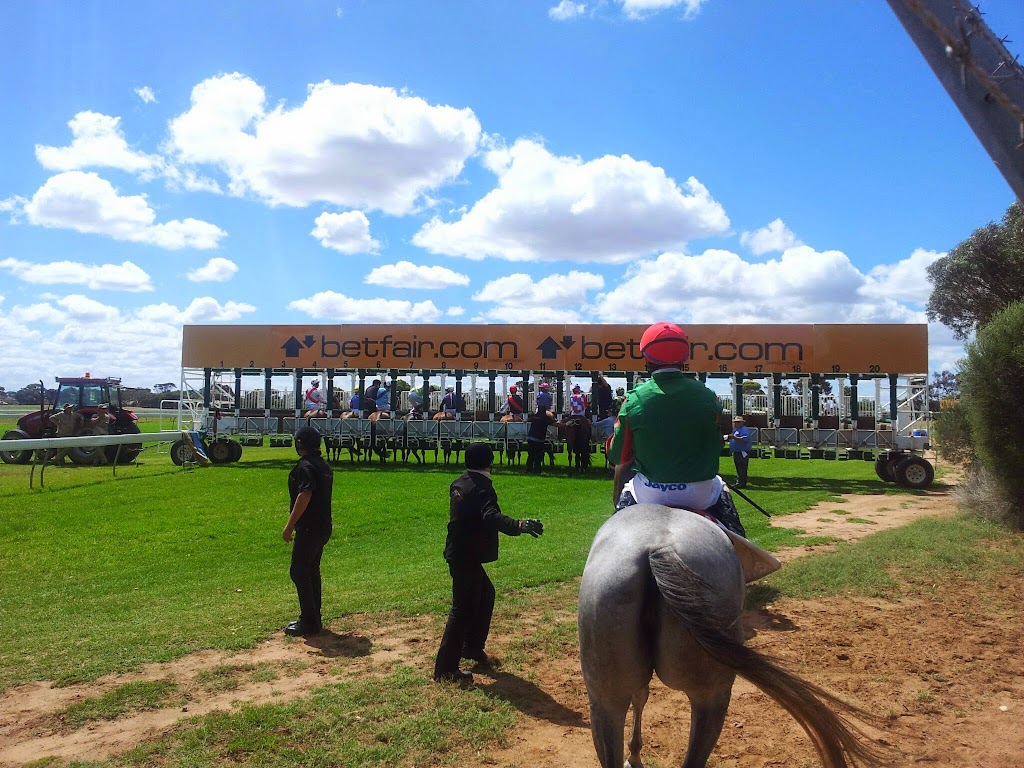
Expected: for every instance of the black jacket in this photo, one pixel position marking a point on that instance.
(312, 473)
(475, 520)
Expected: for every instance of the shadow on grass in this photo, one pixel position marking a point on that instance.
(529, 699)
(333, 645)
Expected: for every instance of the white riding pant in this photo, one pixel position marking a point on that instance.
(700, 495)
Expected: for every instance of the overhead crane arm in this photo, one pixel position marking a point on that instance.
(985, 82)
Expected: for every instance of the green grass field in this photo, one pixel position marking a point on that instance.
(110, 573)
(101, 575)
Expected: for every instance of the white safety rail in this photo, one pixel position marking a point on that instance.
(88, 441)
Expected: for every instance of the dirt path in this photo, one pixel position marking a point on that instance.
(944, 667)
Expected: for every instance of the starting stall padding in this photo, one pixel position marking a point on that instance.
(823, 391)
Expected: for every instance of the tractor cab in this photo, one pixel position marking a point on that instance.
(86, 394)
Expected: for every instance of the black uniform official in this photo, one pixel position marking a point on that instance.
(310, 485)
(474, 523)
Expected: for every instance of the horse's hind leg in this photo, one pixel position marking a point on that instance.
(707, 716)
(636, 741)
(607, 720)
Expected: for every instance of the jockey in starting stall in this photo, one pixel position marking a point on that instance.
(667, 431)
(514, 406)
(544, 398)
(578, 404)
(316, 404)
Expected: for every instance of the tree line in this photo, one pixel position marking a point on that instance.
(138, 397)
(978, 291)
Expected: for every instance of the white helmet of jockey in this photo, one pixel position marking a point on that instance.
(665, 344)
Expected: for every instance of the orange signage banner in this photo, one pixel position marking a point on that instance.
(753, 349)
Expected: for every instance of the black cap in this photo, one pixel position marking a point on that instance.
(479, 456)
(308, 438)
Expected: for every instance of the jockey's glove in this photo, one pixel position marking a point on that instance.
(533, 527)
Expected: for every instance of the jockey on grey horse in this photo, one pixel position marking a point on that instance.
(667, 432)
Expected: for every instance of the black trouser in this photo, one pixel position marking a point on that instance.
(469, 620)
(741, 463)
(305, 572)
(534, 455)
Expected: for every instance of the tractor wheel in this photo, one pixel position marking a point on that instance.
(82, 455)
(236, 450)
(181, 452)
(16, 457)
(129, 451)
(915, 472)
(885, 468)
(220, 451)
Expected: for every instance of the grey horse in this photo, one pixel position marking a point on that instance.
(662, 591)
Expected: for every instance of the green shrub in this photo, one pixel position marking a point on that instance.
(992, 388)
(952, 434)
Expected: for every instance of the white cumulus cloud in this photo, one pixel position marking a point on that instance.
(774, 237)
(640, 9)
(328, 305)
(98, 143)
(14, 205)
(72, 334)
(566, 10)
(216, 270)
(82, 309)
(906, 280)
(547, 208)
(407, 275)
(37, 313)
(353, 145)
(125, 276)
(718, 286)
(347, 232)
(88, 203)
(510, 314)
(520, 290)
(146, 94)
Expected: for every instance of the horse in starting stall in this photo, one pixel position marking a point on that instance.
(662, 592)
(577, 442)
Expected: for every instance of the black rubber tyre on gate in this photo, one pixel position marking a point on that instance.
(915, 472)
(885, 467)
(181, 452)
(15, 457)
(236, 450)
(220, 450)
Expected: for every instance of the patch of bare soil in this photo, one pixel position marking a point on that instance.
(857, 516)
(942, 666)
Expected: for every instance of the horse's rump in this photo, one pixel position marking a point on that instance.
(663, 591)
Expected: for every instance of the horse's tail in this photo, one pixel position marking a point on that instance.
(838, 742)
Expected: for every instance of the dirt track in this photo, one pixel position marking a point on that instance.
(943, 665)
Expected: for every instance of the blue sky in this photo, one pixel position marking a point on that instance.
(619, 161)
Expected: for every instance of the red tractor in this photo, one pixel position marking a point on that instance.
(85, 395)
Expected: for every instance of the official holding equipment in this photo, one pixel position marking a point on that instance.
(474, 523)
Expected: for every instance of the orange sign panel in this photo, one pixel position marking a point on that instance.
(584, 348)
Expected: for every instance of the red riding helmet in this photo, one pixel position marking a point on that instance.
(665, 344)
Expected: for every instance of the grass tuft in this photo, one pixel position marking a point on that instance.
(126, 699)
